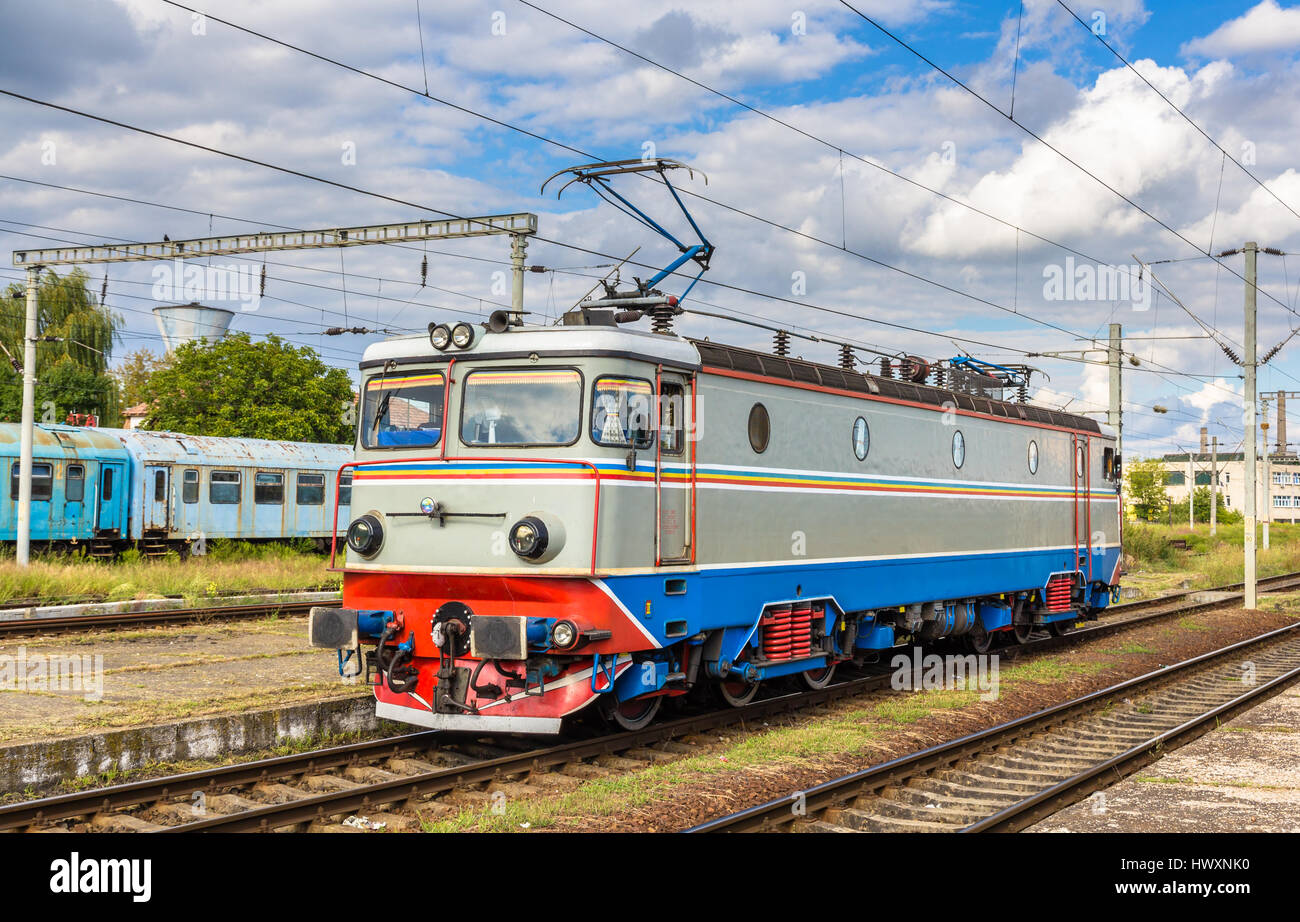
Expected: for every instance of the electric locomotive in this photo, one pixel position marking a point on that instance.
(594, 514)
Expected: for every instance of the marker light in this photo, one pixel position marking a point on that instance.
(564, 635)
(528, 538)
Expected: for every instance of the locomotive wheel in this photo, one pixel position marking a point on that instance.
(1022, 630)
(738, 692)
(818, 678)
(1060, 628)
(979, 640)
(634, 714)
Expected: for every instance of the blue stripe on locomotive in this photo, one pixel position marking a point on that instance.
(733, 598)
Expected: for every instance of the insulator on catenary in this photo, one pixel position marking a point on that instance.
(424, 270)
(781, 345)
(262, 285)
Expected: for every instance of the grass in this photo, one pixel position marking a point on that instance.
(233, 566)
(1209, 560)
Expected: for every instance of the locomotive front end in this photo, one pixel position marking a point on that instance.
(472, 595)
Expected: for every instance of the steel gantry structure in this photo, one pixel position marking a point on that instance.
(517, 226)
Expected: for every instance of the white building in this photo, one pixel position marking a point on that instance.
(1277, 490)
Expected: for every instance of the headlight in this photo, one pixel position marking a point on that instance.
(462, 335)
(366, 535)
(439, 336)
(528, 538)
(564, 635)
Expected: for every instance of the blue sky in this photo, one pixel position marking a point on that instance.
(784, 203)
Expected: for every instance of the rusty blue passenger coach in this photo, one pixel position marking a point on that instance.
(106, 489)
(548, 518)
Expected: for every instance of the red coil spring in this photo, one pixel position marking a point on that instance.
(787, 631)
(1059, 592)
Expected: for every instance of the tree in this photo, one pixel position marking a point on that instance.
(134, 373)
(77, 338)
(1201, 508)
(1146, 489)
(240, 388)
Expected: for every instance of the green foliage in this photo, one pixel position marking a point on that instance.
(134, 373)
(1148, 545)
(72, 369)
(1146, 489)
(240, 388)
(1201, 508)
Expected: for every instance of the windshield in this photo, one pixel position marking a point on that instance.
(621, 413)
(402, 410)
(522, 407)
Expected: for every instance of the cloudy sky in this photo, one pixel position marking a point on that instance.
(911, 176)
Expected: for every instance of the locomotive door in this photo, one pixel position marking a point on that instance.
(1082, 480)
(157, 496)
(674, 470)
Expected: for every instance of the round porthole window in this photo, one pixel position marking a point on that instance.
(861, 438)
(1033, 457)
(1078, 460)
(958, 448)
(760, 428)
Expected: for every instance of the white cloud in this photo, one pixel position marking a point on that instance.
(1263, 28)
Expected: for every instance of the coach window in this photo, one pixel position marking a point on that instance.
(760, 428)
(345, 490)
(74, 488)
(190, 486)
(958, 449)
(861, 438)
(1033, 457)
(268, 489)
(311, 489)
(223, 489)
(159, 486)
(42, 481)
(621, 411)
(402, 410)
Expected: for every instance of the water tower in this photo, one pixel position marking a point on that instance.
(183, 323)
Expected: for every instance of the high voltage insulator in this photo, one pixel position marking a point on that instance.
(261, 289)
(1270, 353)
(886, 369)
(424, 270)
(846, 356)
(781, 346)
(339, 331)
(103, 289)
(1236, 359)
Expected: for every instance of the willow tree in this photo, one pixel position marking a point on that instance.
(76, 335)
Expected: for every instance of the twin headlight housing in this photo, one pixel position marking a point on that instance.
(530, 538)
(442, 336)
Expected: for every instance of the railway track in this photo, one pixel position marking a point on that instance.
(1013, 775)
(110, 620)
(316, 789)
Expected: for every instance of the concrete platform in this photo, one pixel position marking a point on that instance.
(81, 704)
(33, 613)
(1242, 777)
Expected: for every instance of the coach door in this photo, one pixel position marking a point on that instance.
(1082, 478)
(674, 463)
(157, 496)
(112, 490)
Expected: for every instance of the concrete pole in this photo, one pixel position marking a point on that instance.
(1115, 417)
(1214, 485)
(1268, 479)
(1251, 471)
(518, 247)
(28, 436)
